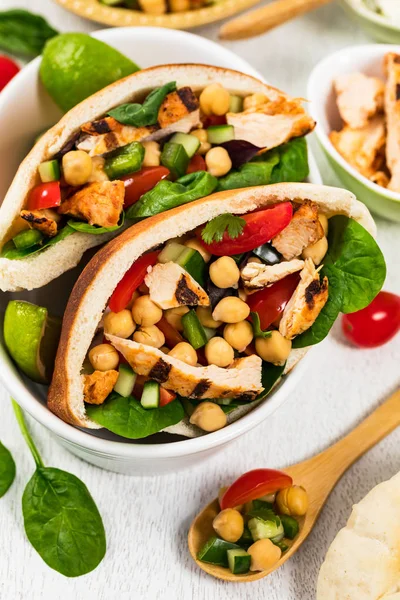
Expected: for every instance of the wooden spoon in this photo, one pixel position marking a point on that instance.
(263, 19)
(318, 475)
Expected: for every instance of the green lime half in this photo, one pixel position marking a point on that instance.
(31, 337)
(76, 65)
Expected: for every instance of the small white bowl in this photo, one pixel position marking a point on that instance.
(25, 110)
(377, 26)
(367, 59)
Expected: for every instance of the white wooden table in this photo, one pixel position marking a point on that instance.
(147, 519)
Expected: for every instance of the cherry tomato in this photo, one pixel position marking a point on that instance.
(132, 279)
(137, 184)
(270, 302)
(261, 226)
(166, 396)
(45, 195)
(212, 120)
(253, 485)
(374, 325)
(197, 163)
(172, 335)
(8, 70)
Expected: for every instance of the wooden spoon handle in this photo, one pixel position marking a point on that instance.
(263, 19)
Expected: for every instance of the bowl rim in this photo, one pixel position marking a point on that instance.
(370, 15)
(314, 94)
(13, 381)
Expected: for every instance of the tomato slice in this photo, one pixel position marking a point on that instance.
(8, 70)
(261, 226)
(374, 325)
(137, 184)
(212, 120)
(132, 279)
(270, 302)
(172, 335)
(197, 163)
(166, 396)
(45, 195)
(253, 485)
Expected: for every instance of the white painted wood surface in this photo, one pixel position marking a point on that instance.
(147, 519)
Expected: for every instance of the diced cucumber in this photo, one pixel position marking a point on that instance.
(190, 142)
(246, 540)
(49, 171)
(281, 545)
(171, 252)
(264, 529)
(219, 134)
(126, 381)
(236, 104)
(210, 333)
(175, 158)
(290, 526)
(193, 330)
(193, 262)
(215, 551)
(27, 238)
(268, 254)
(188, 406)
(150, 395)
(125, 160)
(238, 561)
(279, 536)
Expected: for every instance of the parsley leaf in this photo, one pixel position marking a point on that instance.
(215, 229)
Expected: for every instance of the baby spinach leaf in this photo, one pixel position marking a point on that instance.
(293, 162)
(269, 376)
(256, 323)
(166, 194)
(255, 172)
(22, 32)
(128, 418)
(141, 115)
(94, 229)
(11, 252)
(7, 469)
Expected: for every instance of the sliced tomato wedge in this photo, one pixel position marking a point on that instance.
(270, 302)
(261, 226)
(197, 163)
(132, 279)
(137, 184)
(45, 195)
(166, 396)
(172, 335)
(253, 485)
(212, 120)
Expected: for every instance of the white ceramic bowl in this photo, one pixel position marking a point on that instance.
(25, 109)
(367, 59)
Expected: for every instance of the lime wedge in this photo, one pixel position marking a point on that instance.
(76, 65)
(31, 337)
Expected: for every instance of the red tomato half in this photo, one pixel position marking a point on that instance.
(197, 163)
(134, 277)
(172, 335)
(270, 302)
(374, 325)
(261, 227)
(8, 70)
(137, 184)
(253, 485)
(166, 396)
(45, 195)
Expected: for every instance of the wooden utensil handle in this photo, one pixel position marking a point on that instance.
(266, 18)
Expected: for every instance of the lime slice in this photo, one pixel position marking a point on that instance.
(76, 65)
(31, 337)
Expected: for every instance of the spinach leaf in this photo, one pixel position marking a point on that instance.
(256, 323)
(7, 469)
(269, 376)
(255, 172)
(11, 252)
(293, 162)
(141, 115)
(83, 227)
(128, 418)
(166, 194)
(22, 32)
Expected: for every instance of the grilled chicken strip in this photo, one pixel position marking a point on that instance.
(241, 381)
(255, 275)
(272, 124)
(304, 306)
(358, 98)
(171, 286)
(98, 385)
(43, 220)
(392, 109)
(98, 203)
(303, 230)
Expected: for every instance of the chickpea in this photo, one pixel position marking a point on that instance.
(316, 251)
(205, 317)
(224, 272)
(229, 525)
(239, 335)
(98, 172)
(179, 5)
(150, 336)
(196, 245)
(174, 316)
(323, 219)
(185, 352)
(268, 498)
(254, 101)
(221, 492)
(145, 312)
(77, 167)
(215, 100)
(255, 259)
(120, 324)
(219, 352)
(292, 501)
(104, 357)
(152, 154)
(205, 145)
(208, 416)
(153, 7)
(231, 310)
(218, 161)
(264, 555)
(274, 349)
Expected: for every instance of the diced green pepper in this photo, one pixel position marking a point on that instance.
(193, 330)
(27, 238)
(122, 161)
(290, 526)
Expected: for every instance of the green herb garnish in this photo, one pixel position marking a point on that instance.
(215, 229)
(142, 115)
